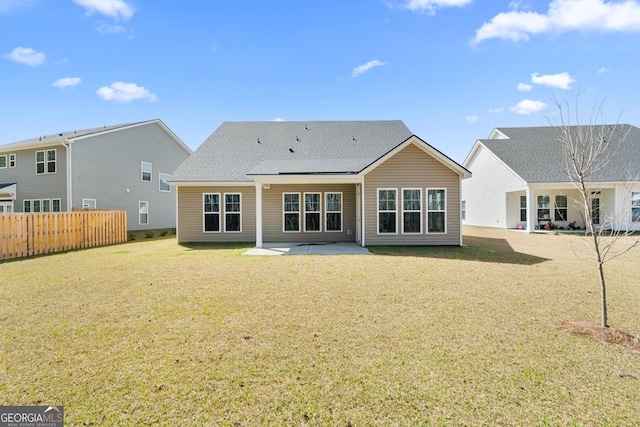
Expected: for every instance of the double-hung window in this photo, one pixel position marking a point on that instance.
(523, 208)
(3, 161)
(26, 206)
(387, 211)
(463, 209)
(232, 212)
(55, 205)
(46, 205)
(312, 211)
(333, 211)
(291, 211)
(411, 210)
(635, 207)
(436, 210)
(145, 171)
(544, 206)
(163, 179)
(46, 161)
(211, 212)
(12, 160)
(560, 213)
(143, 213)
(37, 205)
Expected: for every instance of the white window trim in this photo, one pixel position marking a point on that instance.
(142, 171)
(403, 211)
(42, 205)
(59, 205)
(219, 213)
(232, 213)
(6, 161)
(632, 207)
(300, 201)
(304, 210)
(30, 205)
(555, 207)
(428, 210)
(538, 208)
(139, 213)
(33, 202)
(378, 190)
(327, 212)
(86, 202)
(463, 210)
(12, 160)
(160, 182)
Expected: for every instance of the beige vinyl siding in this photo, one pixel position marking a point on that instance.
(272, 214)
(412, 168)
(190, 214)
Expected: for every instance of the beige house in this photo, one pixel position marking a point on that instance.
(370, 182)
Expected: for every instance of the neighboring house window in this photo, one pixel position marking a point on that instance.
(26, 206)
(312, 212)
(333, 209)
(635, 207)
(291, 211)
(523, 208)
(544, 206)
(560, 213)
(36, 205)
(55, 205)
(463, 209)
(143, 213)
(145, 171)
(3, 161)
(232, 212)
(46, 205)
(12, 160)
(387, 211)
(46, 161)
(595, 207)
(436, 211)
(89, 203)
(412, 210)
(211, 210)
(163, 178)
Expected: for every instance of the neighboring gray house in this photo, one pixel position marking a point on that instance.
(122, 167)
(371, 182)
(519, 181)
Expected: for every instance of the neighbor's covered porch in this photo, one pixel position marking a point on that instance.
(557, 207)
(7, 197)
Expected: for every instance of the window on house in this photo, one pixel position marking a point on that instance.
(291, 209)
(312, 212)
(635, 207)
(37, 205)
(163, 179)
(211, 211)
(523, 208)
(463, 209)
(55, 205)
(12, 160)
(595, 207)
(387, 211)
(145, 171)
(436, 211)
(232, 212)
(39, 162)
(412, 210)
(333, 211)
(51, 161)
(89, 203)
(544, 207)
(143, 213)
(3, 161)
(26, 206)
(46, 161)
(560, 213)
(46, 205)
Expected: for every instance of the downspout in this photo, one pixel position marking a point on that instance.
(69, 171)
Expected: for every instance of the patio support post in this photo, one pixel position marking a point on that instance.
(530, 211)
(258, 215)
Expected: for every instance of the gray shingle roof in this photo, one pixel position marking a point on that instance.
(237, 149)
(536, 155)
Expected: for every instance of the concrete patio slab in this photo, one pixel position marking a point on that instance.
(329, 248)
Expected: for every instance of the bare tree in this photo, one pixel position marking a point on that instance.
(589, 146)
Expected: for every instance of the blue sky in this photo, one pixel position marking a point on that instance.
(452, 70)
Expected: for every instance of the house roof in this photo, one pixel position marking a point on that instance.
(536, 154)
(57, 138)
(238, 149)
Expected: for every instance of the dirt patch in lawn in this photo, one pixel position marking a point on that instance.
(611, 335)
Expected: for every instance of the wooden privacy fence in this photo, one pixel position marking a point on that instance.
(27, 234)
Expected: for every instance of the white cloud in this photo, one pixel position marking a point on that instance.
(471, 119)
(561, 80)
(278, 119)
(125, 92)
(366, 67)
(117, 9)
(27, 56)
(563, 16)
(523, 87)
(496, 110)
(67, 82)
(603, 70)
(430, 6)
(527, 106)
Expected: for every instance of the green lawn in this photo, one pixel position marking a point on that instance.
(154, 333)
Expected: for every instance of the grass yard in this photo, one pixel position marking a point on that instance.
(153, 333)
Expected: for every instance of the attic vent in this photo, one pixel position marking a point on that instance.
(291, 150)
